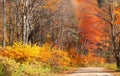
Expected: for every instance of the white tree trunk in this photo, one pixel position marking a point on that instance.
(25, 23)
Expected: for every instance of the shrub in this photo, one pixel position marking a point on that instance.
(59, 58)
(75, 57)
(92, 60)
(21, 52)
(85, 60)
(12, 68)
(111, 66)
(27, 53)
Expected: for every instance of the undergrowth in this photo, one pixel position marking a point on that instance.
(33, 60)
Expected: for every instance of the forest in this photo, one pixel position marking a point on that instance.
(48, 37)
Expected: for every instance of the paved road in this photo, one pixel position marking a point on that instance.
(90, 71)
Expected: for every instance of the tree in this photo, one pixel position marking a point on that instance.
(89, 25)
(4, 22)
(104, 10)
(107, 15)
(11, 30)
(56, 22)
(42, 21)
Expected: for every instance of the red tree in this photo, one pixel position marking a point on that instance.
(90, 26)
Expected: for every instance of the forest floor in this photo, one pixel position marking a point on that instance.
(92, 71)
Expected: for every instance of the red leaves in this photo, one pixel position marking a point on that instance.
(90, 25)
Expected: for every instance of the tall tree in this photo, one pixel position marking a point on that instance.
(89, 25)
(109, 17)
(11, 32)
(4, 22)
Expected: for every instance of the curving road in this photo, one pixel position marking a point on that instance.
(90, 71)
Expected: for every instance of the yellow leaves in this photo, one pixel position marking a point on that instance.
(48, 55)
(55, 57)
(28, 53)
(13, 68)
(117, 12)
(21, 52)
(45, 56)
(117, 15)
(60, 58)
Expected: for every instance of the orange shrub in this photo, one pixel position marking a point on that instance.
(83, 60)
(74, 56)
(28, 53)
(91, 60)
(48, 55)
(59, 58)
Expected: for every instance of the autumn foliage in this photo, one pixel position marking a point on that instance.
(89, 24)
(85, 60)
(46, 54)
(33, 59)
(28, 53)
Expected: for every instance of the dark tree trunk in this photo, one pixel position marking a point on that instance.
(118, 59)
(118, 55)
